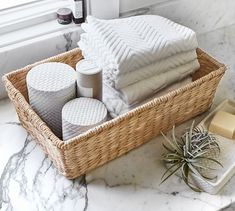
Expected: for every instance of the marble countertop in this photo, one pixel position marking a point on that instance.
(29, 181)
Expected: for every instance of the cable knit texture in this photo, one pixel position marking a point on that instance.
(131, 43)
(116, 106)
(139, 56)
(126, 79)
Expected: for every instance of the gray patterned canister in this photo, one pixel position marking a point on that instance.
(50, 87)
(89, 80)
(80, 115)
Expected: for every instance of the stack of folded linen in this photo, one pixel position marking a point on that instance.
(139, 56)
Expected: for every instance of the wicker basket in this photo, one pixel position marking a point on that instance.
(118, 136)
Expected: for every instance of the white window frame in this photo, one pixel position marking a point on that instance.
(38, 18)
(30, 20)
(15, 3)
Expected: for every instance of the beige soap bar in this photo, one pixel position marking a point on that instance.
(223, 124)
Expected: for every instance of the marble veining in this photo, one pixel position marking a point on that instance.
(69, 41)
(29, 180)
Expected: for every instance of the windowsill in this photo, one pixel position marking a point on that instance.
(34, 32)
(32, 21)
(14, 3)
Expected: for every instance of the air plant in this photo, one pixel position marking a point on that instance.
(190, 155)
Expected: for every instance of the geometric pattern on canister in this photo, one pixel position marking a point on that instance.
(50, 87)
(82, 114)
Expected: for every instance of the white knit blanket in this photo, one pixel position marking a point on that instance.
(129, 44)
(116, 106)
(88, 46)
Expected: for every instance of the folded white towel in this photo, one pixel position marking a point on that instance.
(139, 91)
(132, 43)
(148, 71)
(151, 70)
(116, 106)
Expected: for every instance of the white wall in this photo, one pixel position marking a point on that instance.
(126, 5)
(201, 15)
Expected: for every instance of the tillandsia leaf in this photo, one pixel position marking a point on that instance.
(171, 161)
(196, 172)
(170, 174)
(174, 138)
(200, 136)
(192, 160)
(172, 158)
(168, 148)
(170, 169)
(185, 177)
(172, 155)
(202, 167)
(217, 148)
(191, 130)
(190, 143)
(191, 154)
(208, 144)
(207, 147)
(184, 169)
(175, 147)
(200, 148)
(215, 144)
(205, 178)
(186, 144)
(209, 178)
(211, 159)
(198, 154)
(182, 141)
(198, 130)
(190, 185)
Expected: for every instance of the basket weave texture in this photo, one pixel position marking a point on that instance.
(112, 139)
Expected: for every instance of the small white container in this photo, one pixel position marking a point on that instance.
(50, 87)
(89, 80)
(226, 157)
(80, 115)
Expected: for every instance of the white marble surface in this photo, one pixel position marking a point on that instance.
(30, 182)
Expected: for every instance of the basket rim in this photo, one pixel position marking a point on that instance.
(109, 124)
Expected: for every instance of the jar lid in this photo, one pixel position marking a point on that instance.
(51, 77)
(65, 14)
(84, 112)
(87, 67)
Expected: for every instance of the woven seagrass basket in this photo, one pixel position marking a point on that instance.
(120, 135)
